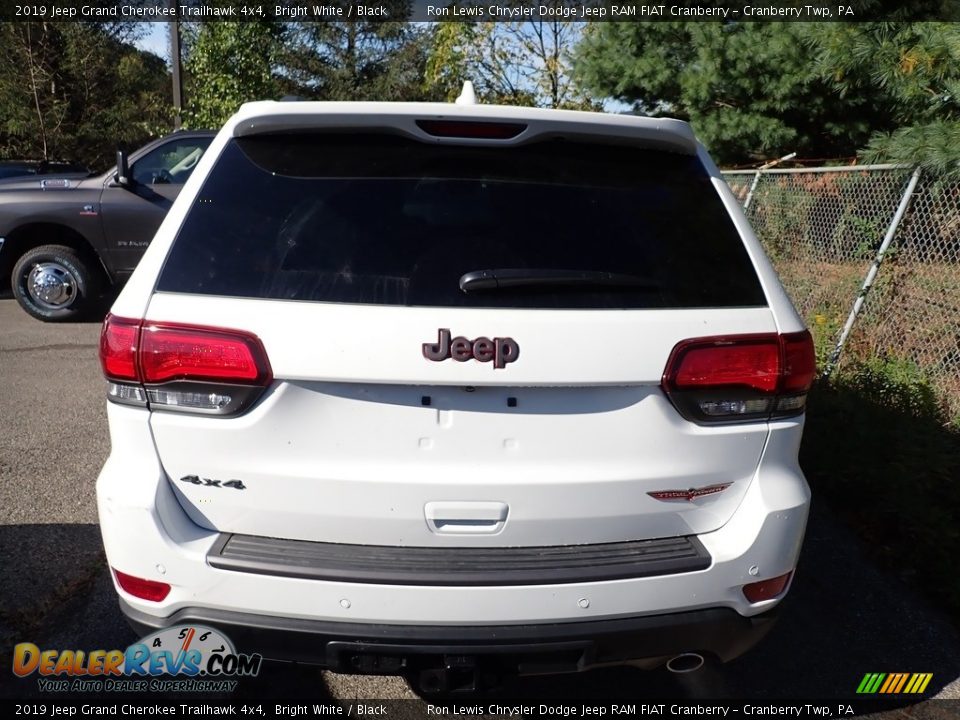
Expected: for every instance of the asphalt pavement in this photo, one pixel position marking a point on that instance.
(843, 617)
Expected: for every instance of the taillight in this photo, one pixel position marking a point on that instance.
(740, 377)
(749, 363)
(799, 362)
(141, 588)
(186, 368)
(118, 348)
(471, 129)
(172, 352)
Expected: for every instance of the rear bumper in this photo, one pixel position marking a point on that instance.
(147, 534)
(458, 566)
(521, 649)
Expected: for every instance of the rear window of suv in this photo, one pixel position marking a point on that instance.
(382, 219)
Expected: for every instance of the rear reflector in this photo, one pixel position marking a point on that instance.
(470, 129)
(766, 589)
(740, 377)
(139, 587)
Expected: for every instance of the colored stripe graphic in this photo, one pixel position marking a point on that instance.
(186, 641)
(894, 683)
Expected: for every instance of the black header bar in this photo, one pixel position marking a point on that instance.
(477, 10)
(189, 705)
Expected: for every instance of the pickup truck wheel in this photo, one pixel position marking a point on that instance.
(54, 284)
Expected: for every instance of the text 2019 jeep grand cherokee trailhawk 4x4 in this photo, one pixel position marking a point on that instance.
(63, 237)
(416, 388)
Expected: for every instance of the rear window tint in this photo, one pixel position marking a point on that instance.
(381, 219)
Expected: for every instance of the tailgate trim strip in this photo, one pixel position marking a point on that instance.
(458, 566)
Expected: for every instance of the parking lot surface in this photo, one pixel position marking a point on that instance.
(843, 617)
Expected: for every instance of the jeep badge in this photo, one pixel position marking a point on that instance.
(500, 350)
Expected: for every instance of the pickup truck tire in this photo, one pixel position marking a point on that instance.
(54, 284)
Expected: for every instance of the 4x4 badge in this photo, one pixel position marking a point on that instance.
(500, 350)
(208, 482)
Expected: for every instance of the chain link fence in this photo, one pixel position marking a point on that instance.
(823, 228)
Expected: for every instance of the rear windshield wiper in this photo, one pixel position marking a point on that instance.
(503, 278)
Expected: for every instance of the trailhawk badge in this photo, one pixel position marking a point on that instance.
(690, 494)
(499, 350)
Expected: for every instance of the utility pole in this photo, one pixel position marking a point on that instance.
(174, 26)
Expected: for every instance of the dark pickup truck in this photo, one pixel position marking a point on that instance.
(66, 238)
(24, 168)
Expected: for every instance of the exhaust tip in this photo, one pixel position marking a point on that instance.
(685, 663)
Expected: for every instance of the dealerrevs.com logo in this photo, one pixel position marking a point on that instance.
(182, 658)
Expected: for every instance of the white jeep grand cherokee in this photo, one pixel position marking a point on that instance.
(426, 388)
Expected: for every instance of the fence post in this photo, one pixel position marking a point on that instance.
(872, 272)
(756, 178)
(753, 186)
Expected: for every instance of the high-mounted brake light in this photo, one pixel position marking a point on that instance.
(740, 377)
(471, 129)
(187, 368)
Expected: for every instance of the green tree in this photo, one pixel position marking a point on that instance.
(749, 89)
(916, 68)
(75, 90)
(509, 62)
(228, 64)
(358, 60)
